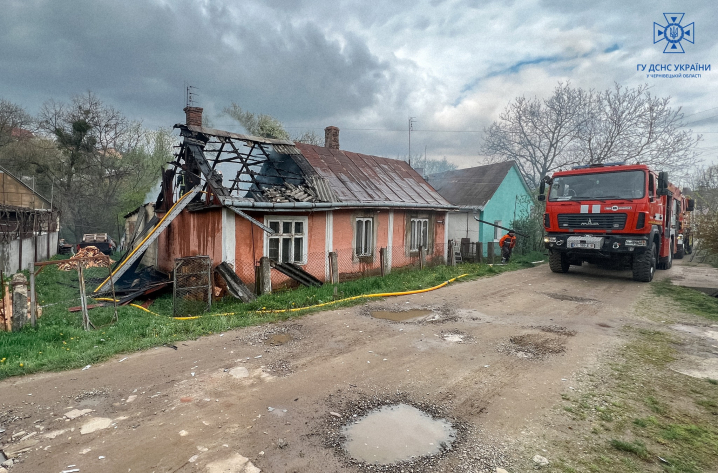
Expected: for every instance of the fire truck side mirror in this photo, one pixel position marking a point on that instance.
(542, 189)
(662, 183)
(691, 205)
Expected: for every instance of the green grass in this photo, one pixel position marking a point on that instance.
(59, 342)
(690, 300)
(647, 411)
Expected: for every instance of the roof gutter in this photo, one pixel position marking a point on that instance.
(244, 204)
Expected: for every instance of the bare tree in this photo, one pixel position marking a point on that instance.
(538, 134)
(575, 126)
(632, 126)
(14, 121)
(308, 137)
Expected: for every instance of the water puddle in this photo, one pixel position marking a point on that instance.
(397, 433)
(399, 316)
(278, 339)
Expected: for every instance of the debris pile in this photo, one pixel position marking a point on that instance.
(86, 252)
(289, 193)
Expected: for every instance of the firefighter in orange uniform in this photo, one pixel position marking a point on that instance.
(507, 244)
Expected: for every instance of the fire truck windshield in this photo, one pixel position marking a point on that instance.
(599, 186)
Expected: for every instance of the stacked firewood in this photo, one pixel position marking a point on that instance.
(86, 252)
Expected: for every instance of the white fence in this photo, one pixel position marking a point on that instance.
(18, 254)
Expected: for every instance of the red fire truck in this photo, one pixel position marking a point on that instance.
(627, 216)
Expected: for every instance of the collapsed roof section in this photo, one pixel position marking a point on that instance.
(246, 172)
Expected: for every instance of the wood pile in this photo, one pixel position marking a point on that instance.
(86, 252)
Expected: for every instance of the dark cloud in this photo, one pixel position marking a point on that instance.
(139, 55)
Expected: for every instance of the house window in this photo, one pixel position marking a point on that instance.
(497, 230)
(364, 237)
(288, 244)
(419, 233)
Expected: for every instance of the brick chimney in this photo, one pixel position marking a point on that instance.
(193, 116)
(331, 137)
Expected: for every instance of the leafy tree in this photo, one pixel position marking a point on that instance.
(257, 124)
(99, 161)
(269, 127)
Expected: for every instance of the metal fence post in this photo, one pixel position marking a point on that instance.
(490, 252)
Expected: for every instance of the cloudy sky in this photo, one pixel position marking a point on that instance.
(363, 66)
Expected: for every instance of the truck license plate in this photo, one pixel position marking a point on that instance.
(582, 245)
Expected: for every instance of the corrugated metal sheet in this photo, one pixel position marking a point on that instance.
(355, 177)
(472, 187)
(286, 149)
(236, 136)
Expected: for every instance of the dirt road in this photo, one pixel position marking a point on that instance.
(493, 356)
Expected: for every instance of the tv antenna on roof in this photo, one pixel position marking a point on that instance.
(189, 95)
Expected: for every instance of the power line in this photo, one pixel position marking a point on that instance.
(696, 113)
(373, 129)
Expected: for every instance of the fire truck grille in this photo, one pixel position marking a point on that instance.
(612, 221)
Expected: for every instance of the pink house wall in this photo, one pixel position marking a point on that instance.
(200, 233)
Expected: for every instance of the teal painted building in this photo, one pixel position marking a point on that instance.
(494, 193)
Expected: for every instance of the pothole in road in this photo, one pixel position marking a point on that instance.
(566, 297)
(397, 433)
(401, 315)
(456, 336)
(557, 329)
(346, 407)
(534, 345)
(278, 339)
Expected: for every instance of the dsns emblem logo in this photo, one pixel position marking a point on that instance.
(673, 33)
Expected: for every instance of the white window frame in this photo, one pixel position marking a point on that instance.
(422, 237)
(279, 221)
(497, 231)
(364, 238)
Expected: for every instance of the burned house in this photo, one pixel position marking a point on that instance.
(244, 197)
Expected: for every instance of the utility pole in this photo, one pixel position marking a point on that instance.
(411, 127)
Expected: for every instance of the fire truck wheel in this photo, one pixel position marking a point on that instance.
(667, 262)
(558, 262)
(680, 253)
(644, 265)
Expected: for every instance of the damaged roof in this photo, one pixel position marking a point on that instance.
(281, 173)
(356, 177)
(470, 187)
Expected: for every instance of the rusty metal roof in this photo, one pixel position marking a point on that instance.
(355, 177)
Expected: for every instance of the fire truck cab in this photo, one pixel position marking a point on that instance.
(625, 215)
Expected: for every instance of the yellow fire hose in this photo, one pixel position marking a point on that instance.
(297, 309)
